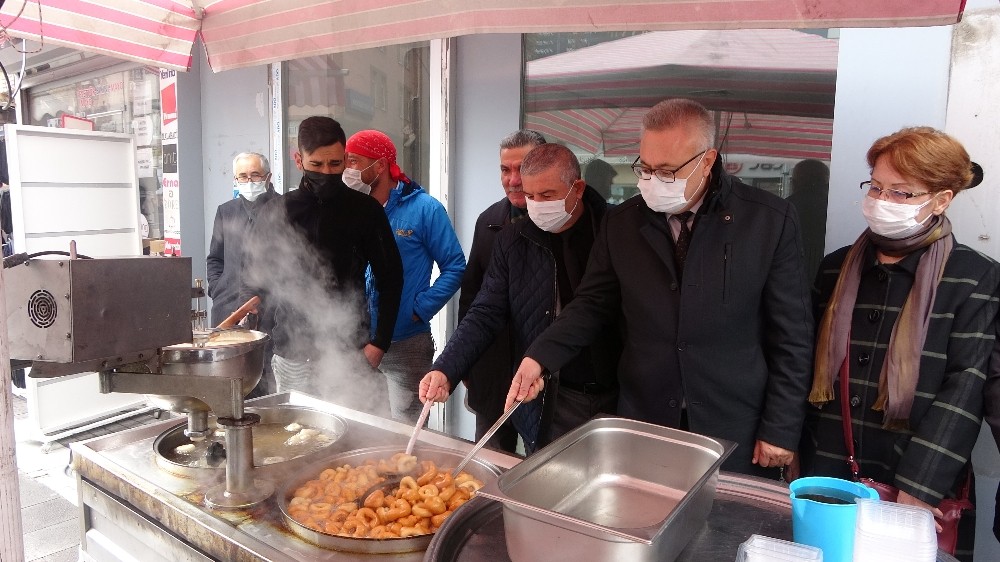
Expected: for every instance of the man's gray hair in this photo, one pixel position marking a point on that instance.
(679, 111)
(522, 137)
(263, 160)
(547, 156)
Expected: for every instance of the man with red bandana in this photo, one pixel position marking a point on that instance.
(424, 236)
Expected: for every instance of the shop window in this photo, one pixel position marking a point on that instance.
(354, 88)
(118, 102)
(771, 92)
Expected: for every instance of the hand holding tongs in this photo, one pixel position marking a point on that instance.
(486, 437)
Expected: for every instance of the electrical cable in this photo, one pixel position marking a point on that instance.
(18, 259)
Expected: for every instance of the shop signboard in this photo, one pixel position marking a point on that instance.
(171, 179)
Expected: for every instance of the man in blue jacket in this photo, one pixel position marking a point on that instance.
(425, 236)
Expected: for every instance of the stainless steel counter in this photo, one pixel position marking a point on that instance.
(132, 509)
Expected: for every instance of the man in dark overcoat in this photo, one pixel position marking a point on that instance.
(707, 276)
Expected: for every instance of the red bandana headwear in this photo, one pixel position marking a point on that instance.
(376, 144)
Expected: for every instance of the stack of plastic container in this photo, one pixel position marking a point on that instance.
(759, 548)
(889, 532)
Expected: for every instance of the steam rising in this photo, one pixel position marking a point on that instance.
(326, 318)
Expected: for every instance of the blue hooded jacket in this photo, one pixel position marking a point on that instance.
(425, 236)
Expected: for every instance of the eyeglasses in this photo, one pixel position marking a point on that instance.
(254, 177)
(666, 176)
(894, 195)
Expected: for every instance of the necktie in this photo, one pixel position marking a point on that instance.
(683, 240)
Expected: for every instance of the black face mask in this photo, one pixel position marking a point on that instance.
(321, 183)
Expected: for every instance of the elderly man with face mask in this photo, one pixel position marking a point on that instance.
(535, 271)
(252, 188)
(707, 276)
(425, 237)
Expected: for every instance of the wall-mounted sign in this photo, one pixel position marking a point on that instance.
(142, 127)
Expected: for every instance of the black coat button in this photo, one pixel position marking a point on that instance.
(681, 345)
(855, 401)
(882, 276)
(672, 403)
(673, 286)
(864, 357)
(874, 316)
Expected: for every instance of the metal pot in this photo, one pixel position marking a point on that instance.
(231, 354)
(442, 457)
(169, 440)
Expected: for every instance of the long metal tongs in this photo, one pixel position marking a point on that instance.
(420, 424)
(486, 437)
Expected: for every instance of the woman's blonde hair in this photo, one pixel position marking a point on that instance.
(929, 156)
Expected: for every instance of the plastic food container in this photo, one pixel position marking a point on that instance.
(759, 548)
(612, 489)
(890, 531)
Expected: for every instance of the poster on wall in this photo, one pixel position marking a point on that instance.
(171, 180)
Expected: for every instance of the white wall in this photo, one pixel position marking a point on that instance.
(487, 107)
(973, 116)
(235, 119)
(189, 157)
(886, 79)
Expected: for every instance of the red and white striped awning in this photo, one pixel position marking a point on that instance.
(239, 33)
(155, 32)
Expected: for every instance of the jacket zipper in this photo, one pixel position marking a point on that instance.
(725, 272)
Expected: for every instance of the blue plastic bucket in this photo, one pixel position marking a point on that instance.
(823, 514)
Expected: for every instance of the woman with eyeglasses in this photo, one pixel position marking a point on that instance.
(907, 313)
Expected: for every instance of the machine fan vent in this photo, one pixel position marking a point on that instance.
(42, 308)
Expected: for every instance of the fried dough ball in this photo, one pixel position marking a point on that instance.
(332, 503)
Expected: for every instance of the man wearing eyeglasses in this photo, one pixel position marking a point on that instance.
(707, 276)
(252, 189)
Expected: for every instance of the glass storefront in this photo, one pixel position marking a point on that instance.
(384, 88)
(126, 101)
(771, 92)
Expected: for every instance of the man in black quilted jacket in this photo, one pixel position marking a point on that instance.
(487, 381)
(534, 272)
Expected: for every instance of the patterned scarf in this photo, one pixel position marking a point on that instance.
(898, 379)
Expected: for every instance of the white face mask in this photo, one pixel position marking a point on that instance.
(252, 189)
(893, 220)
(665, 197)
(550, 216)
(352, 179)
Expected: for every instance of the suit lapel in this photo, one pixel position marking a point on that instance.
(660, 241)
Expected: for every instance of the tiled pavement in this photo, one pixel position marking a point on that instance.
(49, 511)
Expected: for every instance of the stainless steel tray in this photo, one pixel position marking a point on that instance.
(611, 489)
(442, 457)
(744, 505)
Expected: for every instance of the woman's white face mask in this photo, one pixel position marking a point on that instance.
(669, 198)
(893, 220)
(550, 216)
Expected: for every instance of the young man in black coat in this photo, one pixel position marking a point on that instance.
(307, 258)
